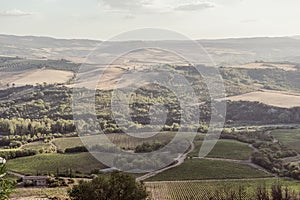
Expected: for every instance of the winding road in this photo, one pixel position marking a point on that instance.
(178, 162)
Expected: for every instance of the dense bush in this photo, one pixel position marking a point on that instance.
(17, 153)
(147, 147)
(56, 182)
(117, 186)
(277, 192)
(6, 185)
(76, 149)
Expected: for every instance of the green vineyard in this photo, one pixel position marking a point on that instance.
(206, 190)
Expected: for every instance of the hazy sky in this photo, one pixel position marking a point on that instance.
(102, 19)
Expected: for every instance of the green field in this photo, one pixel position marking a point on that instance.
(199, 169)
(228, 149)
(49, 163)
(121, 140)
(64, 143)
(288, 137)
(199, 190)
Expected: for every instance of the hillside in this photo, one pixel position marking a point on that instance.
(258, 143)
(224, 52)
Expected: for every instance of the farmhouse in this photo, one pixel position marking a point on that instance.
(35, 180)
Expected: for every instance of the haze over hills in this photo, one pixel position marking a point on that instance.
(296, 37)
(43, 78)
(223, 51)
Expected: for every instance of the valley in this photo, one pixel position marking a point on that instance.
(258, 145)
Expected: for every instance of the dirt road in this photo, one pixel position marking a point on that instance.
(178, 162)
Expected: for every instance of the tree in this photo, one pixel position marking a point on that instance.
(117, 186)
(5, 185)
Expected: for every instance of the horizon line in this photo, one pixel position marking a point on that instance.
(101, 40)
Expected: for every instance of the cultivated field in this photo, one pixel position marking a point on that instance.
(289, 137)
(273, 98)
(50, 163)
(199, 169)
(179, 190)
(227, 149)
(121, 140)
(202, 190)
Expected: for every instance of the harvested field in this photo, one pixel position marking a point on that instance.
(273, 98)
(32, 77)
(261, 65)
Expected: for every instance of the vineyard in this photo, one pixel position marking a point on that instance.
(50, 163)
(202, 169)
(204, 190)
(288, 137)
(121, 140)
(227, 149)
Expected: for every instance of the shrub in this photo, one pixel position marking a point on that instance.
(77, 149)
(118, 186)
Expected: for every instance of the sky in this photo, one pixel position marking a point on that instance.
(196, 19)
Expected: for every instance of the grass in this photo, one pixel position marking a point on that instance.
(201, 189)
(64, 143)
(288, 137)
(199, 169)
(49, 163)
(227, 149)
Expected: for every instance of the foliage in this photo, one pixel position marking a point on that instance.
(11, 154)
(278, 192)
(5, 184)
(117, 186)
(77, 149)
(147, 147)
(56, 182)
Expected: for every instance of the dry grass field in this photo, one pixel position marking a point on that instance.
(273, 98)
(34, 76)
(261, 65)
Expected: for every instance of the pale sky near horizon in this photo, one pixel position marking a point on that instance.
(197, 19)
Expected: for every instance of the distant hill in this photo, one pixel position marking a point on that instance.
(296, 37)
(223, 51)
